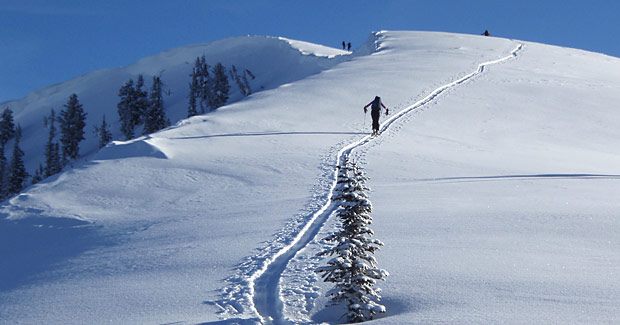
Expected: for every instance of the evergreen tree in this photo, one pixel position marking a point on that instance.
(17, 171)
(205, 84)
(103, 133)
(240, 81)
(7, 126)
(141, 102)
(155, 118)
(353, 269)
(3, 172)
(38, 175)
(53, 163)
(193, 95)
(245, 81)
(249, 73)
(220, 87)
(125, 109)
(72, 122)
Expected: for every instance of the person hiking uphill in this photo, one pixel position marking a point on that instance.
(375, 112)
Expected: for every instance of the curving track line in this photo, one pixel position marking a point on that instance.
(264, 283)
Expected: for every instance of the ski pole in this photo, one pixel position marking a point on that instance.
(364, 121)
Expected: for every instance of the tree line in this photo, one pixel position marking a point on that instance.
(209, 89)
(209, 86)
(58, 150)
(137, 107)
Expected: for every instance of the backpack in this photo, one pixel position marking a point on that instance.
(376, 106)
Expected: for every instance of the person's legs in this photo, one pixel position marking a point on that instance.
(375, 122)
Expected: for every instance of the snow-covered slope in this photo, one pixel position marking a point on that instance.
(494, 199)
(274, 61)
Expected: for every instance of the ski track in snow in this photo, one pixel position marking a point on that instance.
(263, 285)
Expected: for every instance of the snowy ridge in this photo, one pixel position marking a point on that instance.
(266, 280)
(307, 48)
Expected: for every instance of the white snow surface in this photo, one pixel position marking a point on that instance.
(495, 200)
(314, 49)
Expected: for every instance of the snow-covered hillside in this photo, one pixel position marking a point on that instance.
(273, 61)
(495, 198)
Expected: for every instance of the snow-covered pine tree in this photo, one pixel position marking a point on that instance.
(72, 122)
(140, 103)
(220, 86)
(53, 164)
(354, 269)
(103, 133)
(7, 126)
(17, 171)
(155, 118)
(125, 108)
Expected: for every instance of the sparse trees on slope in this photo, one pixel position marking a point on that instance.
(220, 87)
(132, 106)
(72, 122)
(211, 89)
(7, 126)
(241, 81)
(53, 164)
(353, 268)
(155, 118)
(17, 171)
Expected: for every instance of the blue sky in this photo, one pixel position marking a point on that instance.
(49, 41)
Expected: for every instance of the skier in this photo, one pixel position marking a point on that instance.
(375, 112)
(486, 33)
(343, 45)
(349, 46)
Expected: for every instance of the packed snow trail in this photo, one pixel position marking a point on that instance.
(264, 283)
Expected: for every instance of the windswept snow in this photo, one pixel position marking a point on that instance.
(307, 48)
(495, 199)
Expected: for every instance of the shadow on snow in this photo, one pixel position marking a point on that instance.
(394, 306)
(30, 248)
(256, 134)
(463, 179)
(233, 321)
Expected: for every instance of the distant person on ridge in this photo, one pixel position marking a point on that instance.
(343, 45)
(349, 46)
(486, 33)
(375, 112)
